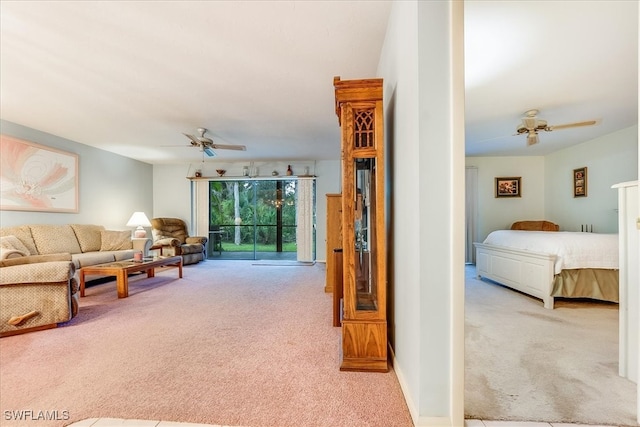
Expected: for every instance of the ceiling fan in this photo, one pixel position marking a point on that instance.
(207, 145)
(531, 125)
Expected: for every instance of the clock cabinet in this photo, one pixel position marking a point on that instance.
(364, 317)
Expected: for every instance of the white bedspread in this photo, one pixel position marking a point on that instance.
(573, 249)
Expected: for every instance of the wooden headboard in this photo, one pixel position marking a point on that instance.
(535, 226)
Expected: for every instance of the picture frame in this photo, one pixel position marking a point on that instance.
(508, 186)
(35, 177)
(580, 182)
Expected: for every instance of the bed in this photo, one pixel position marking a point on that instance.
(550, 264)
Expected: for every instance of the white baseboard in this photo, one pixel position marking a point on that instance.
(418, 421)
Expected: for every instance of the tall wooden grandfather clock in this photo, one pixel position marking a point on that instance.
(364, 322)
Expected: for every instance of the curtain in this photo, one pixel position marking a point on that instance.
(471, 217)
(200, 208)
(304, 219)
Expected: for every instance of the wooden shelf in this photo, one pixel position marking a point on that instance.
(249, 178)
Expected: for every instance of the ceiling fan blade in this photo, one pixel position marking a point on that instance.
(571, 125)
(229, 147)
(194, 140)
(532, 138)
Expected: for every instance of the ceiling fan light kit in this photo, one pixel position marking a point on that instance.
(207, 145)
(531, 125)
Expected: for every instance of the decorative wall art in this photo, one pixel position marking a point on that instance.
(580, 182)
(508, 187)
(34, 177)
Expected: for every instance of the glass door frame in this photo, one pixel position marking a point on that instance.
(277, 201)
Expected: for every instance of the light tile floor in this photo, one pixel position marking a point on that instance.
(117, 422)
(484, 423)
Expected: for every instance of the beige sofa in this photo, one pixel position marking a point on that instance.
(38, 265)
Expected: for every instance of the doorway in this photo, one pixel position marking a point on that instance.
(253, 219)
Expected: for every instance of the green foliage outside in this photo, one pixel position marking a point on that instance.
(257, 203)
(246, 247)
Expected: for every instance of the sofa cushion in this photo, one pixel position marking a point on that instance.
(123, 255)
(13, 243)
(92, 258)
(54, 239)
(88, 236)
(101, 257)
(23, 233)
(115, 240)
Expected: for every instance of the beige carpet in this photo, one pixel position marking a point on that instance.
(524, 362)
(230, 344)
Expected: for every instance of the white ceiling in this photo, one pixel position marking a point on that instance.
(572, 60)
(132, 77)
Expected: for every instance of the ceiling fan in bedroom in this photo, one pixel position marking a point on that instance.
(531, 125)
(207, 145)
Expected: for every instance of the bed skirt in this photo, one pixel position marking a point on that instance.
(595, 283)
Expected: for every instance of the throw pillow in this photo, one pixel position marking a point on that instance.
(115, 240)
(23, 233)
(88, 236)
(13, 243)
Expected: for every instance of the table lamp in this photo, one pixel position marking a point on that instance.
(139, 220)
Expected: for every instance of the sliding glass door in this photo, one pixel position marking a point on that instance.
(252, 219)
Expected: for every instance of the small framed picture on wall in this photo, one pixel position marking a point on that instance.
(580, 182)
(508, 187)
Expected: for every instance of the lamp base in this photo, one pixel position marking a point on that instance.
(140, 233)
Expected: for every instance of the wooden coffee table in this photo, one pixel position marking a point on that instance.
(122, 269)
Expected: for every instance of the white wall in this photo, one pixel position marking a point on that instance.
(111, 187)
(421, 64)
(499, 213)
(328, 182)
(398, 67)
(547, 186)
(172, 191)
(609, 159)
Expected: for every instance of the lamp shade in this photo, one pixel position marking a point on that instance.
(139, 220)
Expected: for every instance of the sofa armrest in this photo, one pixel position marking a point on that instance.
(35, 259)
(42, 272)
(11, 253)
(167, 241)
(196, 239)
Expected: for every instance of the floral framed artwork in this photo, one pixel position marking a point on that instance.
(34, 177)
(508, 187)
(580, 182)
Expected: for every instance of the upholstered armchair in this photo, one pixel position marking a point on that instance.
(170, 237)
